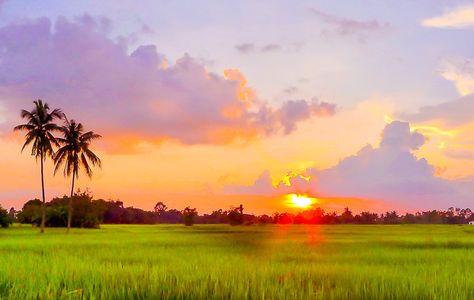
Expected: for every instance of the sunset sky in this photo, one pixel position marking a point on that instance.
(211, 104)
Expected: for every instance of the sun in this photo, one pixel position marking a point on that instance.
(301, 201)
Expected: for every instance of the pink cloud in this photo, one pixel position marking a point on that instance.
(75, 65)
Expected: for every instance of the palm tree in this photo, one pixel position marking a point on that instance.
(39, 127)
(75, 154)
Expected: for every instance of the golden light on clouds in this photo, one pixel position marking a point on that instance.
(460, 17)
(426, 130)
(286, 180)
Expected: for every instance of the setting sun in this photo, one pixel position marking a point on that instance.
(300, 201)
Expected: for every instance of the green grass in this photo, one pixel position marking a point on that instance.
(224, 262)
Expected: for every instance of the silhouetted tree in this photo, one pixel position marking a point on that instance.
(12, 214)
(31, 212)
(366, 218)
(346, 216)
(236, 215)
(189, 214)
(75, 153)
(39, 132)
(5, 219)
(391, 217)
(159, 209)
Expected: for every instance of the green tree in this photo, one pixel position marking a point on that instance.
(39, 134)
(75, 154)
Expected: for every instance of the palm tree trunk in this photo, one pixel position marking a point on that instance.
(43, 206)
(69, 208)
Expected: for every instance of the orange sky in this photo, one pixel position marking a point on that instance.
(373, 108)
(182, 175)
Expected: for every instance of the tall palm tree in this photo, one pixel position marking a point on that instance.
(39, 128)
(75, 154)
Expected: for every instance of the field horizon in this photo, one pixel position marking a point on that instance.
(238, 262)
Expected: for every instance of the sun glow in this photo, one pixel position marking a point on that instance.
(300, 201)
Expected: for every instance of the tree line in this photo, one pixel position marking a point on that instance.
(70, 150)
(90, 213)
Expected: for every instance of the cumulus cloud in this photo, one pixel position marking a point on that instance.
(345, 27)
(459, 17)
(388, 173)
(455, 112)
(129, 95)
(460, 71)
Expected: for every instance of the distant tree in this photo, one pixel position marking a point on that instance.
(265, 219)
(171, 216)
(39, 132)
(75, 153)
(86, 213)
(216, 217)
(366, 218)
(12, 214)
(391, 217)
(283, 218)
(189, 215)
(31, 212)
(236, 215)
(5, 219)
(160, 207)
(346, 216)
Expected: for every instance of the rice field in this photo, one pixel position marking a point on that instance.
(248, 262)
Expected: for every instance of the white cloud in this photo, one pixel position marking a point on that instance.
(460, 17)
(461, 72)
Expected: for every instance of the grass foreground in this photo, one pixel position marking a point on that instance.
(251, 262)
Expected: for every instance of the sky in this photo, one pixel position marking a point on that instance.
(211, 104)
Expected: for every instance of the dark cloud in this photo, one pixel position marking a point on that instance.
(345, 27)
(245, 48)
(270, 48)
(294, 111)
(290, 90)
(453, 113)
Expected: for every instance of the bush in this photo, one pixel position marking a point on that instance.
(5, 219)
